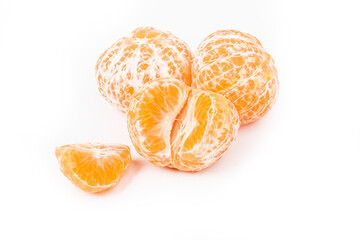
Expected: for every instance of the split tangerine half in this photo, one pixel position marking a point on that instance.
(93, 167)
(174, 125)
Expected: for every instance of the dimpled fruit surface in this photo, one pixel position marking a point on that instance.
(93, 167)
(148, 54)
(174, 125)
(235, 65)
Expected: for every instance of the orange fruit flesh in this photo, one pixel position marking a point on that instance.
(93, 167)
(192, 127)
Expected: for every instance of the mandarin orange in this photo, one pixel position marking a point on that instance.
(148, 54)
(93, 167)
(235, 65)
(174, 125)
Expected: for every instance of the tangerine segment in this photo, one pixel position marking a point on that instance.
(235, 65)
(173, 125)
(93, 167)
(148, 54)
(151, 117)
(205, 129)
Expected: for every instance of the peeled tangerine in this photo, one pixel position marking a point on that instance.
(235, 65)
(93, 167)
(177, 126)
(148, 54)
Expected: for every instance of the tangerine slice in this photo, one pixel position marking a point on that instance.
(204, 130)
(235, 65)
(148, 54)
(174, 125)
(151, 117)
(93, 167)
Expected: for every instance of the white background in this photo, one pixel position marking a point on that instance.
(295, 174)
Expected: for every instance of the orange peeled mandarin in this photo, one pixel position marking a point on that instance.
(236, 65)
(174, 125)
(148, 54)
(93, 167)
